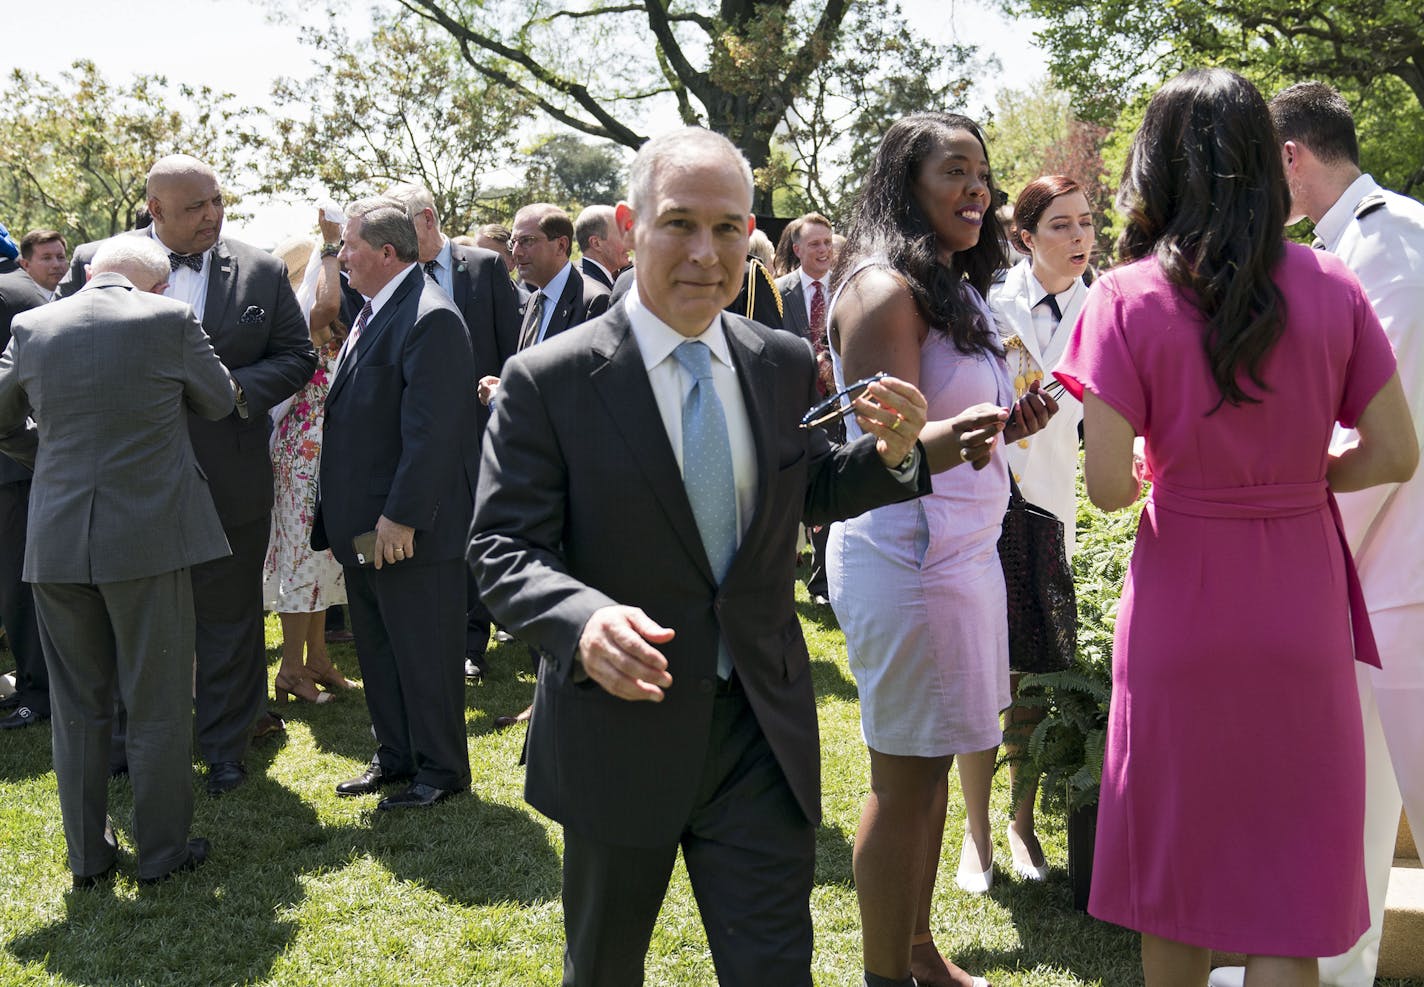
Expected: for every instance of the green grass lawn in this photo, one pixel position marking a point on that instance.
(306, 888)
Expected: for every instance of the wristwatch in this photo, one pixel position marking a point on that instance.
(330, 250)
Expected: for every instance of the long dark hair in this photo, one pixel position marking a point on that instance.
(889, 222)
(1205, 193)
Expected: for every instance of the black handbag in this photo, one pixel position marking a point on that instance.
(1042, 606)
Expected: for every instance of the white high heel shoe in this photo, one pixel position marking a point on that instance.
(969, 877)
(1024, 866)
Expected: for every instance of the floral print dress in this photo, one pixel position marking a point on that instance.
(295, 578)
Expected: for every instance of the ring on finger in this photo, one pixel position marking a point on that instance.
(964, 453)
(899, 420)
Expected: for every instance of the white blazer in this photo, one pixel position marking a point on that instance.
(1045, 464)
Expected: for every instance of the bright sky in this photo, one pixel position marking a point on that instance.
(230, 46)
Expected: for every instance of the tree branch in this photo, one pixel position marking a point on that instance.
(606, 124)
(698, 82)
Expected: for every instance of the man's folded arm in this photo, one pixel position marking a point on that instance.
(518, 528)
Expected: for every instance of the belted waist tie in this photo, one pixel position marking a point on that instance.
(1278, 500)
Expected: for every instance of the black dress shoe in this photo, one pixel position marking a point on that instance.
(23, 716)
(474, 666)
(198, 849)
(418, 796)
(369, 781)
(88, 881)
(224, 776)
(10, 701)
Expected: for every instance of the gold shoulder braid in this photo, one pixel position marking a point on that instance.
(756, 271)
(1024, 371)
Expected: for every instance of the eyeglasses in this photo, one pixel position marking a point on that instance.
(525, 242)
(831, 408)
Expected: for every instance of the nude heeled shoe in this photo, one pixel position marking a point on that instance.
(1024, 866)
(970, 878)
(299, 686)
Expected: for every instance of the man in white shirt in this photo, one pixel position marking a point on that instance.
(605, 252)
(242, 297)
(42, 257)
(636, 523)
(806, 299)
(1380, 235)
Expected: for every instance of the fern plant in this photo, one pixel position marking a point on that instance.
(1066, 747)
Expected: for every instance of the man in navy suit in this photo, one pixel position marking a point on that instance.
(478, 282)
(398, 459)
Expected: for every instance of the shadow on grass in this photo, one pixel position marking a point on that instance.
(829, 679)
(27, 751)
(230, 921)
(1053, 935)
(833, 856)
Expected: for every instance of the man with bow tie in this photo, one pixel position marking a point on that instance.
(242, 298)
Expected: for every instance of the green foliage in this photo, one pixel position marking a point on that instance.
(77, 149)
(1108, 52)
(1034, 132)
(398, 106)
(850, 100)
(1067, 746)
(572, 172)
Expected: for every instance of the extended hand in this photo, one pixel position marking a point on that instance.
(616, 649)
(394, 542)
(976, 430)
(893, 411)
(1030, 413)
(487, 388)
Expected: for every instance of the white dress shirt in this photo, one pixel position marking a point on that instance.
(185, 284)
(377, 302)
(1044, 324)
(671, 384)
(1385, 249)
(444, 267)
(551, 292)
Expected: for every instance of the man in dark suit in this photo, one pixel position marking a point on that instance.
(399, 458)
(246, 305)
(108, 374)
(42, 257)
(75, 277)
(29, 703)
(479, 283)
(636, 522)
(806, 297)
(605, 252)
(542, 243)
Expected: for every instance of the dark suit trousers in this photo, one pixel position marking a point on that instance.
(232, 658)
(409, 622)
(477, 618)
(135, 635)
(17, 602)
(751, 856)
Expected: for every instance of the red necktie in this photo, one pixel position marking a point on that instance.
(818, 318)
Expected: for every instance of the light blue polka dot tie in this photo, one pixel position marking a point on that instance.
(707, 468)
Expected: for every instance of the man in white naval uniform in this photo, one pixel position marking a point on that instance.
(1380, 235)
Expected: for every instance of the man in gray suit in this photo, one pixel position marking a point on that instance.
(121, 510)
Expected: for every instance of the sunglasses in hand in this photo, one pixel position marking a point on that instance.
(831, 408)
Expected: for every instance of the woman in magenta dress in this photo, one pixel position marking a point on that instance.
(1234, 742)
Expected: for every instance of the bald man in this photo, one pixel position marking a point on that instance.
(243, 299)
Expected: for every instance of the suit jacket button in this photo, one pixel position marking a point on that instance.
(706, 687)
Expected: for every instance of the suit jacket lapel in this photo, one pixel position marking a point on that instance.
(622, 384)
(563, 310)
(1022, 307)
(794, 309)
(375, 329)
(756, 374)
(222, 288)
(460, 279)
